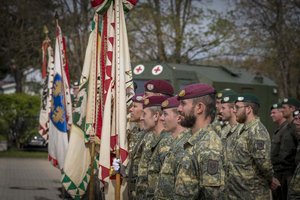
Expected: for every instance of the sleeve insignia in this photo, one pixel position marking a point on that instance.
(212, 167)
(260, 144)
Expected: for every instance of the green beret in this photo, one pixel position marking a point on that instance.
(225, 92)
(229, 98)
(291, 101)
(250, 98)
(276, 106)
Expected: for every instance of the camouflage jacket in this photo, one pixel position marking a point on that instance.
(132, 168)
(294, 187)
(169, 170)
(132, 137)
(284, 148)
(218, 125)
(250, 168)
(159, 152)
(229, 135)
(201, 173)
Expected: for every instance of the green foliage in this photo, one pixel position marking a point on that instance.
(19, 117)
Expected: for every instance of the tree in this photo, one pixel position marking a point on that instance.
(19, 117)
(175, 31)
(21, 34)
(268, 31)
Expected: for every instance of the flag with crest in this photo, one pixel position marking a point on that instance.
(61, 106)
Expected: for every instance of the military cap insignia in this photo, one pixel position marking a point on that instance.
(181, 93)
(219, 95)
(226, 99)
(285, 100)
(240, 98)
(212, 167)
(165, 103)
(150, 86)
(275, 105)
(139, 98)
(260, 144)
(146, 101)
(297, 112)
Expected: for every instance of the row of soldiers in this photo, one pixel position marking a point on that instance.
(199, 145)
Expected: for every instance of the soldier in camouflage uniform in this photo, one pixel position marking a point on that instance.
(155, 148)
(168, 173)
(135, 137)
(219, 123)
(250, 168)
(230, 131)
(201, 173)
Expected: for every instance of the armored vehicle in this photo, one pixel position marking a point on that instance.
(219, 77)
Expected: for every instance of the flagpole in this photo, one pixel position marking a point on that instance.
(118, 175)
(91, 189)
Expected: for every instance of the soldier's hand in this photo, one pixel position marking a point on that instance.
(94, 138)
(274, 184)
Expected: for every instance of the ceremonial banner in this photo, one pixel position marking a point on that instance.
(116, 91)
(61, 106)
(47, 75)
(76, 174)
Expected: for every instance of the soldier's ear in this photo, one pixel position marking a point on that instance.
(199, 108)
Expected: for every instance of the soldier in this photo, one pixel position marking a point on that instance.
(136, 112)
(286, 144)
(155, 149)
(157, 88)
(169, 170)
(231, 130)
(201, 173)
(219, 123)
(250, 168)
(294, 187)
(278, 149)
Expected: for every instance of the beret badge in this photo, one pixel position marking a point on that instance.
(226, 99)
(182, 93)
(219, 95)
(139, 98)
(146, 102)
(240, 98)
(165, 103)
(150, 87)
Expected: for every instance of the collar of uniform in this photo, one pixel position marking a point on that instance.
(196, 136)
(181, 139)
(250, 124)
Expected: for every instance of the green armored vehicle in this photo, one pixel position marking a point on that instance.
(219, 77)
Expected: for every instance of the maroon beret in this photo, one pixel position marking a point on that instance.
(195, 90)
(159, 86)
(153, 101)
(139, 98)
(171, 102)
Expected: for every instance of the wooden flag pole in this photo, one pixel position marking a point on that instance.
(91, 186)
(118, 178)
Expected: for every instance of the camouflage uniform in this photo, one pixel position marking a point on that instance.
(132, 136)
(294, 187)
(142, 181)
(218, 125)
(132, 168)
(250, 168)
(201, 173)
(169, 170)
(229, 134)
(159, 152)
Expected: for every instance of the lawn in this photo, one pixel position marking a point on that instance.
(14, 153)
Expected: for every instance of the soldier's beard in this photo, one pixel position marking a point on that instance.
(188, 121)
(241, 118)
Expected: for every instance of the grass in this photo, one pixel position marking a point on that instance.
(14, 153)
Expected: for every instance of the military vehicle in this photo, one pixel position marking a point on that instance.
(219, 77)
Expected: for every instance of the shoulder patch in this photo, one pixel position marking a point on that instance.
(212, 167)
(260, 144)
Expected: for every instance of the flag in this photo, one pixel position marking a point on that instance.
(61, 106)
(116, 88)
(76, 173)
(47, 75)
